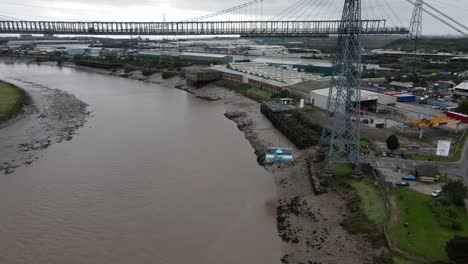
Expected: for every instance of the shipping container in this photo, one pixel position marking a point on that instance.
(406, 98)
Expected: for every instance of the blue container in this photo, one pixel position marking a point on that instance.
(406, 98)
(276, 155)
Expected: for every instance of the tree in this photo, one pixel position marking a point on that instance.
(456, 191)
(456, 250)
(463, 107)
(393, 143)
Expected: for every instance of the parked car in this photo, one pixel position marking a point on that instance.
(402, 184)
(409, 178)
(436, 193)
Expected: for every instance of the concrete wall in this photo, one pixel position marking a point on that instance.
(318, 100)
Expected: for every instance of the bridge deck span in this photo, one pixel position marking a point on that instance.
(242, 28)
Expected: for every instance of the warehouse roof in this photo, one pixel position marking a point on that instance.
(207, 55)
(223, 69)
(402, 84)
(311, 85)
(462, 86)
(365, 95)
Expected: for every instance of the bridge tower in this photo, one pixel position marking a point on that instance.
(342, 127)
(415, 30)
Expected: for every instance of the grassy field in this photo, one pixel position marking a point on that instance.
(11, 101)
(426, 237)
(455, 158)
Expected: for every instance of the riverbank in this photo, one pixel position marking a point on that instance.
(12, 101)
(50, 116)
(308, 224)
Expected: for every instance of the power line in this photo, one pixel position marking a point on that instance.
(441, 20)
(222, 12)
(444, 15)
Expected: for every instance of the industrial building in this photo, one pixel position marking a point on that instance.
(462, 87)
(302, 90)
(242, 77)
(287, 76)
(307, 65)
(369, 100)
(197, 76)
(400, 86)
(189, 56)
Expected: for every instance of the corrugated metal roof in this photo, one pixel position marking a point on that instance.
(311, 85)
(462, 86)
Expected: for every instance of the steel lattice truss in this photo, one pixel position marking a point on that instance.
(321, 28)
(341, 129)
(416, 20)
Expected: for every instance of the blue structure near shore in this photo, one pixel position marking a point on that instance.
(277, 155)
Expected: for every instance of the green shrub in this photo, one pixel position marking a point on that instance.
(357, 222)
(456, 191)
(147, 72)
(445, 215)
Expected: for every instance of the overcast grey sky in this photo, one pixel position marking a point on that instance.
(153, 10)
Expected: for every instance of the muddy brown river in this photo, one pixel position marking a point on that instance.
(154, 176)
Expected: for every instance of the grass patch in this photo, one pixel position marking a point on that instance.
(365, 203)
(364, 142)
(259, 93)
(454, 158)
(426, 238)
(247, 90)
(371, 200)
(341, 170)
(11, 100)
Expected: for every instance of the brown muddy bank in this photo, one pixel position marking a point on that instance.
(50, 116)
(143, 182)
(308, 224)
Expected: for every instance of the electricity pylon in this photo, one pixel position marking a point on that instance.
(342, 121)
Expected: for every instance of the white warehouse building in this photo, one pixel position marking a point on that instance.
(369, 100)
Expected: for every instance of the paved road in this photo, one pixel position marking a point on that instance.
(455, 170)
